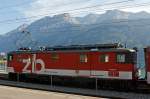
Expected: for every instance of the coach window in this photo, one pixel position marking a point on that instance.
(54, 56)
(120, 58)
(104, 58)
(83, 58)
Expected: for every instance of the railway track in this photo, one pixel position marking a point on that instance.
(80, 91)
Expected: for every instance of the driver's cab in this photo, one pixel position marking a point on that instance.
(147, 63)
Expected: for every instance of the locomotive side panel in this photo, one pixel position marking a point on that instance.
(97, 64)
(50, 63)
(58, 63)
(84, 64)
(106, 65)
(19, 63)
(65, 63)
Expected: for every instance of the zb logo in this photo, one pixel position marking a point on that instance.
(33, 64)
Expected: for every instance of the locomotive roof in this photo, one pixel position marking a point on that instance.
(84, 47)
(92, 50)
(116, 47)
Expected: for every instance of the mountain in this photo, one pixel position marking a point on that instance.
(89, 19)
(110, 27)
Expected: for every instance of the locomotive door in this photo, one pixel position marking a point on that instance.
(95, 64)
(100, 63)
(84, 65)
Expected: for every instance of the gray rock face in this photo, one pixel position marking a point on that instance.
(110, 27)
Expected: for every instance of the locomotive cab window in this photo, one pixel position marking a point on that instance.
(54, 56)
(10, 57)
(120, 58)
(104, 58)
(131, 57)
(83, 58)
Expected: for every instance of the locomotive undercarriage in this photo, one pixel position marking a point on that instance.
(79, 82)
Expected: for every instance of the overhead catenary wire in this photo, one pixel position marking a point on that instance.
(120, 7)
(76, 28)
(27, 4)
(32, 17)
(66, 4)
(89, 7)
(28, 19)
(120, 21)
(18, 20)
(101, 23)
(15, 5)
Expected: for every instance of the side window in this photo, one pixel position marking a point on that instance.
(54, 56)
(120, 58)
(18, 58)
(83, 58)
(104, 58)
(10, 57)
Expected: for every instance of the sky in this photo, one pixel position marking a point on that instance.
(14, 13)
